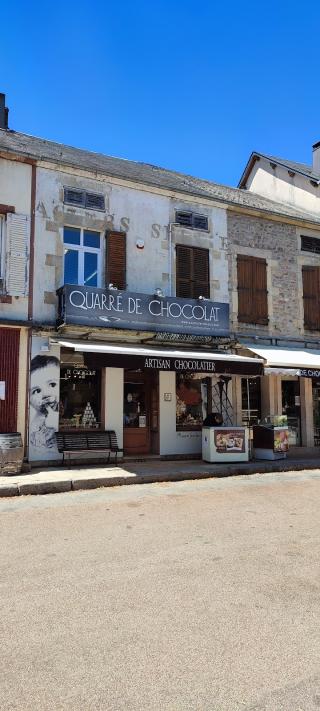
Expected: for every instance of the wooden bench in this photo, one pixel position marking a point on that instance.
(79, 443)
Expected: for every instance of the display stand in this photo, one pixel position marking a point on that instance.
(271, 438)
(225, 444)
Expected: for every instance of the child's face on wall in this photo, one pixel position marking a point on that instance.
(44, 389)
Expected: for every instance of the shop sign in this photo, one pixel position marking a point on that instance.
(180, 365)
(309, 373)
(105, 308)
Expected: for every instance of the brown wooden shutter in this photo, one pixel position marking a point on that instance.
(116, 250)
(184, 272)
(252, 290)
(9, 372)
(192, 272)
(311, 297)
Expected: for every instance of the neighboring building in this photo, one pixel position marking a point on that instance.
(279, 315)
(286, 181)
(132, 279)
(16, 204)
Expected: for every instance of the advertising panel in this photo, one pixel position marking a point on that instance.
(230, 441)
(43, 401)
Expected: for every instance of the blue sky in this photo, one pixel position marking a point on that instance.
(192, 86)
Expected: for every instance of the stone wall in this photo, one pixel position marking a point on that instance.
(279, 244)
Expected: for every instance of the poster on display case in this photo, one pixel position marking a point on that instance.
(43, 401)
(230, 441)
(281, 439)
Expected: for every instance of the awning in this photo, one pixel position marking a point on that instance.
(118, 356)
(288, 361)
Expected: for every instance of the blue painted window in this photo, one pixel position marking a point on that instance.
(82, 257)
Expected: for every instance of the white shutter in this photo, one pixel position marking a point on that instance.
(17, 248)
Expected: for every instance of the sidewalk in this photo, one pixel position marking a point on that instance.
(58, 479)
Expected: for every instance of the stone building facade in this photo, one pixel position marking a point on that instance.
(278, 244)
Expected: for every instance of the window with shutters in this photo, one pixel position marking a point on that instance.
(192, 219)
(83, 198)
(252, 290)
(82, 256)
(311, 297)
(116, 255)
(192, 272)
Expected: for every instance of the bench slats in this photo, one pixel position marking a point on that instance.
(81, 442)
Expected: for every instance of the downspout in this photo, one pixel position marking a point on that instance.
(30, 299)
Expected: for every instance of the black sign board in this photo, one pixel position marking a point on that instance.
(309, 372)
(180, 364)
(105, 308)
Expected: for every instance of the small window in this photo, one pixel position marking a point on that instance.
(82, 198)
(310, 244)
(82, 257)
(94, 201)
(192, 219)
(74, 197)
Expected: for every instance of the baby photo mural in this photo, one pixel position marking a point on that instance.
(43, 401)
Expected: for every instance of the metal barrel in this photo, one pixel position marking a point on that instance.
(11, 453)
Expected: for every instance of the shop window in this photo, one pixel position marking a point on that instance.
(252, 290)
(251, 401)
(192, 272)
(291, 408)
(79, 406)
(82, 257)
(191, 401)
(311, 297)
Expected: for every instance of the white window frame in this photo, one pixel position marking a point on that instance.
(81, 249)
(2, 246)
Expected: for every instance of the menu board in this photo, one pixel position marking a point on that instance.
(281, 439)
(230, 441)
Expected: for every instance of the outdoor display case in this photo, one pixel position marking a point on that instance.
(271, 438)
(225, 444)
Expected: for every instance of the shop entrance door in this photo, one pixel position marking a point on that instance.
(291, 408)
(140, 413)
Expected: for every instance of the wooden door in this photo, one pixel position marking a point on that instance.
(136, 415)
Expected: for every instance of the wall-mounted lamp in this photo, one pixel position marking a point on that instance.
(112, 287)
(202, 298)
(159, 293)
(140, 244)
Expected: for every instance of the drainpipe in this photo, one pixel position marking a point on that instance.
(30, 299)
(171, 225)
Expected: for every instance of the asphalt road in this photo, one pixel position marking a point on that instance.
(195, 596)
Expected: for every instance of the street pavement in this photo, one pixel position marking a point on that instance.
(183, 596)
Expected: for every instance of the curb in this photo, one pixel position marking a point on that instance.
(55, 486)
